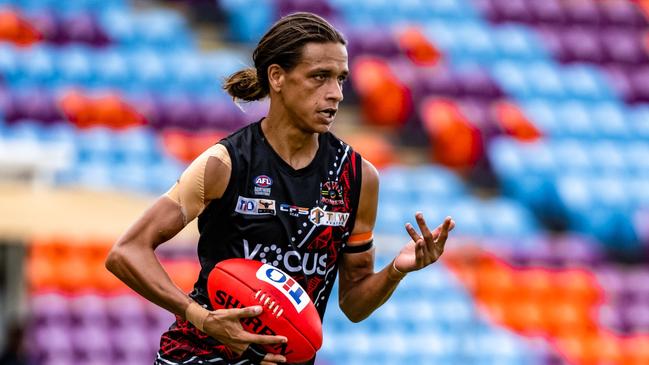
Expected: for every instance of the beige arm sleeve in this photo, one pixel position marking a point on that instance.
(189, 191)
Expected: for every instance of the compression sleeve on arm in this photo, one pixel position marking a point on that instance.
(189, 191)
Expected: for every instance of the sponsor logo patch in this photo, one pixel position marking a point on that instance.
(262, 185)
(293, 210)
(289, 260)
(284, 283)
(320, 217)
(331, 193)
(253, 206)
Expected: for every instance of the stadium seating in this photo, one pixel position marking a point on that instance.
(549, 95)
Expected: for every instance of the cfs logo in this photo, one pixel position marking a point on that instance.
(262, 185)
(321, 217)
(331, 193)
(284, 283)
(293, 210)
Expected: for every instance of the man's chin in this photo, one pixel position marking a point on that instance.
(323, 128)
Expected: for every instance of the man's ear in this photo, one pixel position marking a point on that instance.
(276, 77)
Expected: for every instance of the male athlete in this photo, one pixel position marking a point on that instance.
(284, 191)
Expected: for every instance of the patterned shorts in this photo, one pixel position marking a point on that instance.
(184, 344)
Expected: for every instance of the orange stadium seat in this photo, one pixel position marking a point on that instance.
(373, 147)
(186, 146)
(107, 110)
(603, 348)
(15, 29)
(384, 99)
(99, 278)
(577, 286)
(455, 141)
(44, 258)
(592, 348)
(41, 273)
(512, 120)
(183, 273)
(571, 348)
(534, 284)
(418, 48)
(635, 350)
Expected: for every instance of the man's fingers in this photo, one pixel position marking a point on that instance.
(411, 231)
(419, 252)
(273, 358)
(446, 226)
(421, 222)
(245, 312)
(262, 339)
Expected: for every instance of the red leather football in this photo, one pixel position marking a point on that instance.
(288, 310)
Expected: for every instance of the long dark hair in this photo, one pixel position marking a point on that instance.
(281, 45)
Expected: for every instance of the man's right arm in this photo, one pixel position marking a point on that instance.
(132, 258)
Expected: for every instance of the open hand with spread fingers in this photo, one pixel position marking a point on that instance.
(424, 248)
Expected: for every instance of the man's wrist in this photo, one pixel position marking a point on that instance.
(394, 273)
(196, 315)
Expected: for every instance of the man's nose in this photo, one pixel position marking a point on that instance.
(335, 91)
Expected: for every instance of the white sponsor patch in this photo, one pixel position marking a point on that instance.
(320, 217)
(284, 283)
(254, 206)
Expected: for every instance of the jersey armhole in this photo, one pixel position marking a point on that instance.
(356, 193)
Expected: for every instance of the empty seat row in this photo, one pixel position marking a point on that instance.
(472, 40)
(160, 111)
(601, 46)
(495, 218)
(120, 68)
(159, 29)
(412, 11)
(591, 12)
(630, 82)
(579, 120)
(65, 6)
(544, 79)
(588, 158)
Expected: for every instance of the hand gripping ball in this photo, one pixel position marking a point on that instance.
(288, 310)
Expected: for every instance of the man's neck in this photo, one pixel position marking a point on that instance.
(296, 147)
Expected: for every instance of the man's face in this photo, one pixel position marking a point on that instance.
(312, 90)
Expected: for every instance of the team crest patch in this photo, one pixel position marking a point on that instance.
(321, 217)
(293, 210)
(252, 206)
(262, 185)
(331, 193)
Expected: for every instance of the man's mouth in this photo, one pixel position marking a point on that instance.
(329, 112)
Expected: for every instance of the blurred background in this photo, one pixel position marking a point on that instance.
(527, 121)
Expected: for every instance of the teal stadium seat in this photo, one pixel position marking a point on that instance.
(248, 19)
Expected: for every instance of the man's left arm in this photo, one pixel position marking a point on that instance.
(361, 290)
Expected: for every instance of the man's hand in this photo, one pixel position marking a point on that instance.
(423, 249)
(225, 326)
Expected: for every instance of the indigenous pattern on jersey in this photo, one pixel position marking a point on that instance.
(296, 220)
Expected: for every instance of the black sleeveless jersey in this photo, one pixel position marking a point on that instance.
(296, 220)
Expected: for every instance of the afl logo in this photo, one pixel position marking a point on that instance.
(263, 181)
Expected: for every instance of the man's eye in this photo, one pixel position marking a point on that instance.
(320, 77)
(342, 79)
